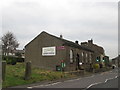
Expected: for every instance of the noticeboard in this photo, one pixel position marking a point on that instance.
(49, 51)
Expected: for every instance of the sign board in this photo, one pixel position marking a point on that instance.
(49, 51)
(60, 47)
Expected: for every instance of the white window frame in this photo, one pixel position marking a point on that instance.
(71, 56)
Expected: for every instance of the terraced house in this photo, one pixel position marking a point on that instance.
(48, 51)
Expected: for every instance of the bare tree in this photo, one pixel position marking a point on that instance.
(9, 43)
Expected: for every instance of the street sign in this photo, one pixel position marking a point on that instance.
(61, 47)
(63, 64)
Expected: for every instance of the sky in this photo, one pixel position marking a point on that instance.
(80, 20)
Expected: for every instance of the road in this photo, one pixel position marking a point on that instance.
(112, 83)
(86, 82)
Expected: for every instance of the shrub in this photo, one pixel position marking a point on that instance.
(10, 59)
(20, 59)
(96, 66)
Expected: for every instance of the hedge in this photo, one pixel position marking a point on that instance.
(12, 59)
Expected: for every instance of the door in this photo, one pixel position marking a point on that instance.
(77, 62)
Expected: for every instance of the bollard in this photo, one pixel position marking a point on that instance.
(3, 70)
(28, 71)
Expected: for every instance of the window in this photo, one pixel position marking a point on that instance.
(82, 54)
(86, 57)
(90, 57)
(71, 56)
(82, 57)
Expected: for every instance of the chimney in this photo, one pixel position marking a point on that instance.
(83, 43)
(90, 41)
(61, 36)
(76, 42)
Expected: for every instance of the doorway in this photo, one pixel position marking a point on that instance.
(77, 62)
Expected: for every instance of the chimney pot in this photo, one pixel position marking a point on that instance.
(90, 41)
(61, 36)
(76, 42)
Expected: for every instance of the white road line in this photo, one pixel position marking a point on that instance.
(93, 84)
(106, 80)
(55, 83)
(100, 82)
(110, 79)
(43, 85)
(116, 76)
(29, 87)
(78, 79)
(72, 80)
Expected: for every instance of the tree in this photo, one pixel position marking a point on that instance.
(9, 43)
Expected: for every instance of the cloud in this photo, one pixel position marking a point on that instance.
(75, 19)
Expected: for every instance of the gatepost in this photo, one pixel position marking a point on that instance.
(3, 70)
(28, 71)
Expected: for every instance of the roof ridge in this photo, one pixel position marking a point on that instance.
(66, 42)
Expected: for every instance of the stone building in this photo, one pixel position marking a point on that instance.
(116, 61)
(98, 50)
(48, 51)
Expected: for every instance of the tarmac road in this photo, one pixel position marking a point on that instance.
(96, 80)
(112, 83)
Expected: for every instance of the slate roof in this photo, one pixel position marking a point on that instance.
(67, 42)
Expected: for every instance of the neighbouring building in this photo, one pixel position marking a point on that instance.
(19, 53)
(116, 61)
(99, 54)
(48, 51)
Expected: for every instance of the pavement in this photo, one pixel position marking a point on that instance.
(107, 79)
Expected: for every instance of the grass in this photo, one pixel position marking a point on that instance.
(15, 75)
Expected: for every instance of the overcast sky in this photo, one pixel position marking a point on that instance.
(74, 19)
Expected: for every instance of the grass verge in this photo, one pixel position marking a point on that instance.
(15, 75)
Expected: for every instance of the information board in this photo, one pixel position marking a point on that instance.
(49, 51)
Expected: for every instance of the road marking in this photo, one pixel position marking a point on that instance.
(44, 85)
(29, 87)
(55, 83)
(72, 80)
(116, 76)
(106, 80)
(110, 79)
(93, 84)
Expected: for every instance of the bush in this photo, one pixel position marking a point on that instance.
(96, 66)
(10, 59)
(20, 59)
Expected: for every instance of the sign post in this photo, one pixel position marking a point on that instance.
(62, 65)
